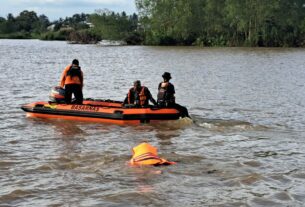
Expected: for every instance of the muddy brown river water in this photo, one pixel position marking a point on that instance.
(245, 147)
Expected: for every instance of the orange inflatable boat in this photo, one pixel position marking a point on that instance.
(106, 111)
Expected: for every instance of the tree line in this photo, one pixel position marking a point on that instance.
(80, 28)
(267, 23)
(26, 25)
(223, 22)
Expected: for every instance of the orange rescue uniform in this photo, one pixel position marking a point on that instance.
(65, 80)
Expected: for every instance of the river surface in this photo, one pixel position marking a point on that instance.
(245, 147)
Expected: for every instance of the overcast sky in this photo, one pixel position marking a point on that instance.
(54, 9)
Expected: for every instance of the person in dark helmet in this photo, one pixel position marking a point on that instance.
(166, 95)
(139, 95)
(166, 92)
(72, 79)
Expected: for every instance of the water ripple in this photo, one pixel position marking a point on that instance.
(244, 146)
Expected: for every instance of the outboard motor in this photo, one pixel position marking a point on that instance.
(57, 95)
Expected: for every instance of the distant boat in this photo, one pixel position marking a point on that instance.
(112, 43)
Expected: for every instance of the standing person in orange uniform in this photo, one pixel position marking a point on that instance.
(72, 80)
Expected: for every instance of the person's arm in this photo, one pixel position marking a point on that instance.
(82, 79)
(159, 86)
(63, 78)
(128, 98)
(172, 88)
(149, 96)
(153, 101)
(172, 92)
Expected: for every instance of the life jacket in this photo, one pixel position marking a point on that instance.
(139, 98)
(74, 71)
(142, 96)
(145, 154)
(71, 75)
(163, 98)
(162, 92)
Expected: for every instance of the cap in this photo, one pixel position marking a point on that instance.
(75, 62)
(137, 83)
(167, 75)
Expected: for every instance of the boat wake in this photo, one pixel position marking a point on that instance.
(175, 124)
(224, 125)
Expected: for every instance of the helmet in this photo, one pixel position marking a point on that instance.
(75, 62)
(166, 75)
(137, 83)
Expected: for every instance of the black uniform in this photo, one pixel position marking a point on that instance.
(166, 98)
(166, 94)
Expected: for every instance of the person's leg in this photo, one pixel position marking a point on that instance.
(78, 93)
(183, 110)
(68, 94)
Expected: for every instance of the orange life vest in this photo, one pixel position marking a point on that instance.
(145, 154)
(66, 79)
(142, 96)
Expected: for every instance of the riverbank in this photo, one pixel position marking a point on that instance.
(75, 37)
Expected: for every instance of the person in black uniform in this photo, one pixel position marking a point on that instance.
(166, 95)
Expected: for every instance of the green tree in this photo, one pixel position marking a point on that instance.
(223, 22)
(113, 26)
(2, 25)
(42, 24)
(27, 20)
(10, 24)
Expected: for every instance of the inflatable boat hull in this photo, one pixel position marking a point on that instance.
(100, 111)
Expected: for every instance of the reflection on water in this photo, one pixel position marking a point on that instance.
(223, 125)
(65, 128)
(244, 146)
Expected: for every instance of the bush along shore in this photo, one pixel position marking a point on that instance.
(272, 23)
(78, 29)
(254, 23)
